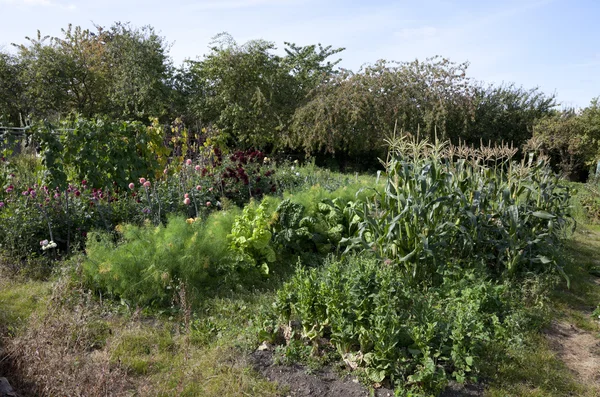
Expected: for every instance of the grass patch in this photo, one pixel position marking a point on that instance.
(76, 345)
(534, 370)
(576, 304)
(18, 300)
(204, 354)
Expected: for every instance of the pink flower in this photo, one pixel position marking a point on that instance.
(131, 185)
(147, 184)
(187, 201)
(208, 203)
(188, 161)
(1, 204)
(165, 171)
(186, 195)
(210, 189)
(25, 193)
(198, 187)
(197, 168)
(142, 181)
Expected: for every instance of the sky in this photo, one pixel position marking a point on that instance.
(550, 44)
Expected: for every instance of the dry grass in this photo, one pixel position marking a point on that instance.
(78, 346)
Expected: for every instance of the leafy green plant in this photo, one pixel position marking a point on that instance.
(102, 152)
(435, 211)
(250, 238)
(385, 326)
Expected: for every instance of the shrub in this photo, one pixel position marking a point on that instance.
(148, 262)
(380, 323)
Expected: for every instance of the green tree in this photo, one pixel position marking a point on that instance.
(248, 92)
(121, 72)
(141, 72)
(44, 74)
(506, 113)
(353, 112)
(11, 90)
(571, 139)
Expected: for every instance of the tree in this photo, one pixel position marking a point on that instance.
(121, 72)
(11, 91)
(249, 93)
(353, 112)
(506, 113)
(570, 139)
(44, 74)
(141, 72)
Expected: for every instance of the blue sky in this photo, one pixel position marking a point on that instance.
(553, 44)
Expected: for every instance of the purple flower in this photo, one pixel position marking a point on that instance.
(1, 204)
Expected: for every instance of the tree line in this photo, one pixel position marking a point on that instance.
(248, 96)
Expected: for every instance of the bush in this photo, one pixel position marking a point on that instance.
(148, 262)
(380, 323)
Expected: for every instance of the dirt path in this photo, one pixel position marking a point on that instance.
(578, 349)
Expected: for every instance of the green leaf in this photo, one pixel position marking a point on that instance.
(543, 215)
(376, 375)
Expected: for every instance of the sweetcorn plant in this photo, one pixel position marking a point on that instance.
(435, 210)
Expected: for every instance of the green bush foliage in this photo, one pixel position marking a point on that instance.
(378, 321)
(445, 248)
(148, 262)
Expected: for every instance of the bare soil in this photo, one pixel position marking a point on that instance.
(326, 383)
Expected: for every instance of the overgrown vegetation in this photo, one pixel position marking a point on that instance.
(447, 246)
(169, 300)
(180, 221)
(249, 97)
